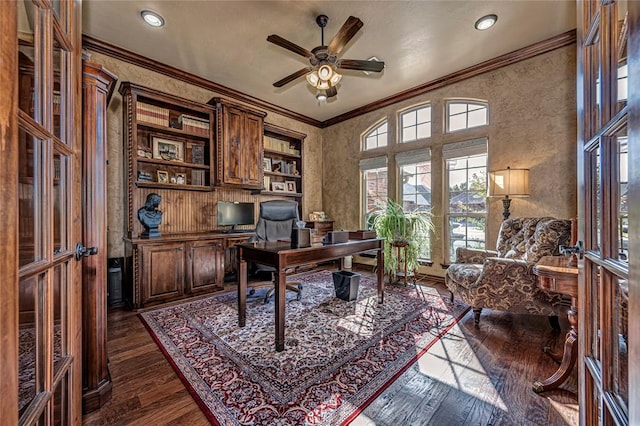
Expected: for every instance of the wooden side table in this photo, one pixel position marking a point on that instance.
(555, 274)
(401, 274)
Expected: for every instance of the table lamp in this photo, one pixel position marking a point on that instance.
(510, 183)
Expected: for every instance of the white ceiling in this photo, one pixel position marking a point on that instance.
(419, 41)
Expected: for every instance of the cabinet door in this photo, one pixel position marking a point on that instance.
(162, 272)
(252, 157)
(205, 268)
(232, 172)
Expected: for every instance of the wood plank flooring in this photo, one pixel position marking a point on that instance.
(472, 376)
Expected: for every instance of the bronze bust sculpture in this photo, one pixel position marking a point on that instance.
(150, 216)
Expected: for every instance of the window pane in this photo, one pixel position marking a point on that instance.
(409, 119)
(416, 124)
(375, 190)
(478, 118)
(623, 210)
(27, 15)
(377, 137)
(466, 194)
(29, 190)
(59, 202)
(457, 108)
(27, 339)
(59, 88)
(457, 122)
(622, 18)
(424, 131)
(416, 194)
(620, 342)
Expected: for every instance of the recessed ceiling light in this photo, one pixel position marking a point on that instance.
(152, 18)
(486, 22)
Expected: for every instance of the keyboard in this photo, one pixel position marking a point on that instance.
(239, 231)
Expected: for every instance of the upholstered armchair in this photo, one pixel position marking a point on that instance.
(503, 279)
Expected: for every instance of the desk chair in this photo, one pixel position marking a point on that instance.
(277, 219)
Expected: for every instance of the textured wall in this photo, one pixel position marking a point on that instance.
(532, 114)
(115, 173)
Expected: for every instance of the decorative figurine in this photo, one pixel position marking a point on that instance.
(150, 216)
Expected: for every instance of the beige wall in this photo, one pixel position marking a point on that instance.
(532, 125)
(532, 114)
(115, 173)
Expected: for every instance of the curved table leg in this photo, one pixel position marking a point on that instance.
(569, 356)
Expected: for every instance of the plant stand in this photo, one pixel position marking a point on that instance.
(401, 275)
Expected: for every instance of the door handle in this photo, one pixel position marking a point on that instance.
(82, 251)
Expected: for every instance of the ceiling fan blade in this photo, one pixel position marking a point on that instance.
(356, 64)
(331, 92)
(346, 33)
(292, 77)
(279, 41)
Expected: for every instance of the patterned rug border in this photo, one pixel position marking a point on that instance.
(210, 415)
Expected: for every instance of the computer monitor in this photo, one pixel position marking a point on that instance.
(235, 213)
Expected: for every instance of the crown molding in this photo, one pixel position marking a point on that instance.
(561, 40)
(124, 55)
(544, 46)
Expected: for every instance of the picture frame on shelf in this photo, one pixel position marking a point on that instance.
(277, 166)
(266, 164)
(197, 154)
(290, 185)
(167, 149)
(313, 217)
(163, 176)
(278, 187)
(266, 183)
(181, 178)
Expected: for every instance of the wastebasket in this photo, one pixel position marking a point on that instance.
(346, 284)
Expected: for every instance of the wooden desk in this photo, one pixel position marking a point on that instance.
(281, 256)
(555, 275)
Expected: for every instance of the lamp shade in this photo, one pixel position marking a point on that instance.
(509, 182)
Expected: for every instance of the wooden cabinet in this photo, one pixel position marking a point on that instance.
(239, 145)
(282, 164)
(173, 267)
(162, 272)
(320, 229)
(168, 140)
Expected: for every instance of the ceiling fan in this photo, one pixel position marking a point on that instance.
(322, 74)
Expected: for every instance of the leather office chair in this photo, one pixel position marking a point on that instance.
(277, 219)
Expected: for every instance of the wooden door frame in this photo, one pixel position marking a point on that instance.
(9, 203)
(633, 129)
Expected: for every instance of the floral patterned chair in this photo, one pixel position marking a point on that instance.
(503, 280)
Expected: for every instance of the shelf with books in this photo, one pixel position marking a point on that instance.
(283, 163)
(168, 140)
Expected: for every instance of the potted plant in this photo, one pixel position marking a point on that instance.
(401, 228)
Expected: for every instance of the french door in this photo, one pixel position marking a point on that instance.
(609, 210)
(43, 205)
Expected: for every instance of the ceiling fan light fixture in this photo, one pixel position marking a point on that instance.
(321, 96)
(312, 78)
(486, 22)
(335, 79)
(152, 18)
(323, 85)
(325, 72)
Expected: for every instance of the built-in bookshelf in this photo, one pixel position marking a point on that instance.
(282, 162)
(168, 140)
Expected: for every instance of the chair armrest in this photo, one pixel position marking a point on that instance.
(469, 255)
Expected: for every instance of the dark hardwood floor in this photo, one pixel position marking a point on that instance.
(472, 376)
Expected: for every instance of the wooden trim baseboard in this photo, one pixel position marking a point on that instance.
(544, 46)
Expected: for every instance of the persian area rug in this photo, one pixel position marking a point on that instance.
(338, 355)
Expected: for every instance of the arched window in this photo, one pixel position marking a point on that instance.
(462, 114)
(376, 137)
(415, 124)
